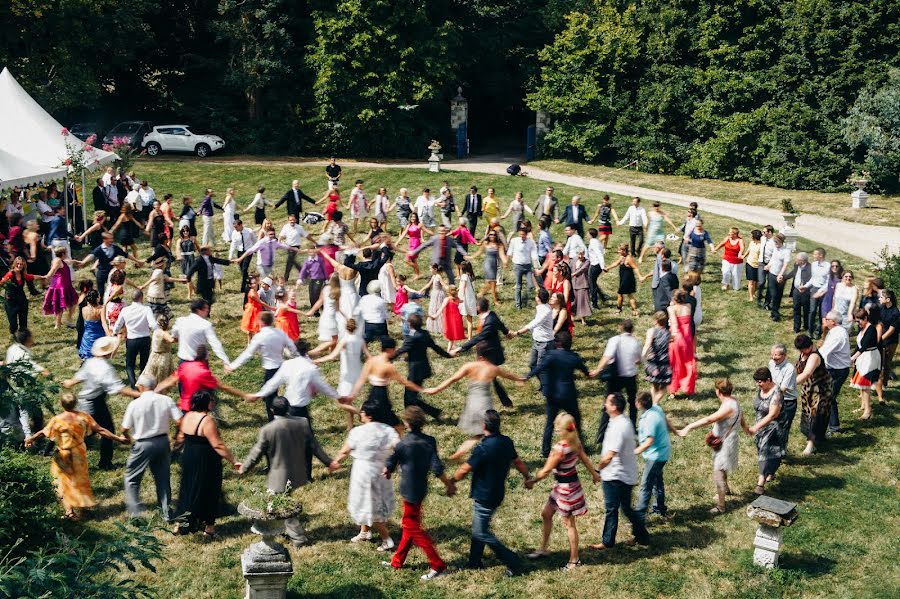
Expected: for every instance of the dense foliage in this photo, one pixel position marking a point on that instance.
(29, 507)
(756, 90)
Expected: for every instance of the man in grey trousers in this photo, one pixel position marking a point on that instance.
(147, 422)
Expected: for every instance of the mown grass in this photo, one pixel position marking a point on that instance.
(844, 544)
(882, 209)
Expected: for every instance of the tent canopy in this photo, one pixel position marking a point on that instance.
(32, 146)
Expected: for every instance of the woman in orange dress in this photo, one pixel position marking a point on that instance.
(70, 465)
(286, 314)
(250, 320)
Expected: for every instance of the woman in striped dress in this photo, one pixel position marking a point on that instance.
(814, 386)
(567, 496)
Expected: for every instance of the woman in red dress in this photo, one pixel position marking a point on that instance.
(287, 314)
(453, 321)
(562, 283)
(333, 197)
(250, 320)
(681, 350)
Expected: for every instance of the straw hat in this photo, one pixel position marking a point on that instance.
(104, 346)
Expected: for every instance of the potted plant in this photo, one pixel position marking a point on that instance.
(266, 564)
(788, 212)
(269, 510)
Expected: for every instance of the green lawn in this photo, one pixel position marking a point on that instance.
(844, 543)
(882, 209)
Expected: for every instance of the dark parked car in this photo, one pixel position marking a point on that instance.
(133, 130)
(84, 130)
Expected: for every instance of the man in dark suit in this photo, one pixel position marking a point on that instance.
(668, 283)
(558, 367)
(284, 442)
(295, 198)
(547, 205)
(800, 290)
(203, 268)
(574, 215)
(472, 208)
(415, 347)
(442, 247)
(490, 328)
(99, 196)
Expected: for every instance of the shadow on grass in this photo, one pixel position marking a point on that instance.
(806, 563)
(349, 591)
(798, 488)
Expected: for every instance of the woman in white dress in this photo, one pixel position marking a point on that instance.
(517, 209)
(436, 297)
(351, 349)
(692, 279)
(387, 278)
(727, 423)
(846, 298)
(229, 207)
(371, 499)
(467, 294)
(328, 302)
(348, 278)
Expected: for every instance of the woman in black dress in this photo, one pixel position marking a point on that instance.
(156, 224)
(13, 288)
(188, 217)
(201, 468)
(126, 229)
(628, 275)
(187, 253)
(94, 233)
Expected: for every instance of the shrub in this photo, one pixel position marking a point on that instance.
(28, 503)
(888, 268)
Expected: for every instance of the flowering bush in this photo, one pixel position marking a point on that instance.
(79, 157)
(127, 154)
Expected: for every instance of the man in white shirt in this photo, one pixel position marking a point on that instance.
(623, 352)
(766, 247)
(134, 198)
(596, 256)
(618, 471)
(784, 375)
(271, 344)
(777, 267)
(292, 234)
(372, 310)
(242, 239)
(195, 330)
(265, 249)
(147, 422)
(835, 351)
(818, 287)
(574, 244)
(148, 196)
(139, 323)
(17, 423)
(424, 207)
(523, 252)
(541, 327)
(637, 220)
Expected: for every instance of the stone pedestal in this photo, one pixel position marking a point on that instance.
(790, 231)
(773, 515)
(266, 565)
(860, 199)
(434, 161)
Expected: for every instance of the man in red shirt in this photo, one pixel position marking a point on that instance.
(195, 376)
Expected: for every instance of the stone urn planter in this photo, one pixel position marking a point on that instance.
(789, 214)
(266, 565)
(859, 198)
(434, 161)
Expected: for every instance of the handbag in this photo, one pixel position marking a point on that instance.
(608, 372)
(714, 441)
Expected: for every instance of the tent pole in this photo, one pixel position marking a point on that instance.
(83, 201)
(66, 200)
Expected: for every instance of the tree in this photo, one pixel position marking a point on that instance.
(873, 128)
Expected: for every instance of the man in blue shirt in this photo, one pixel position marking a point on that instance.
(489, 465)
(655, 446)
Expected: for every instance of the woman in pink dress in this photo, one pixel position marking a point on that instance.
(413, 232)
(61, 296)
(681, 350)
(401, 296)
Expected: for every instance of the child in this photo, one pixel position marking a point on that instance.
(250, 320)
(286, 314)
(453, 322)
(567, 496)
(416, 453)
(402, 294)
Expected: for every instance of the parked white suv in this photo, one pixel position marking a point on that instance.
(179, 138)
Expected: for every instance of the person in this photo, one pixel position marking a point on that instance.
(835, 276)
(815, 390)
(415, 454)
(490, 329)
(655, 233)
(489, 465)
(403, 207)
(146, 424)
(186, 252)
(846, 299)
(192, 376)
(835, 350)
(19, 416)
(574, 244)
(415, 348)
(450, 314)
(890, 322)
(752, 256)
(622, 355)
(517, 209)
(352, 350)
(371, 498)
(200, 489)
(870, 292)
(768, 428)
(99, 197)
(723, 440)
(206, 214)
(731, 259)
(556, 370)
(494, 253)
(272, 345)
(69, 466)
(618, 471)
(379, 372)
(818, 288)
(157, 287)
(697, 240)
(61, 296)
(801, 291)
(129, 228)
(258, 205)
(784, 375)
(205, 271)
(656, 449)
(867, 359)
(544, 240)
(667, 283)
(161, 363)
(575, 215)
(374, 313)
(628, 276)
(658, 366)
(596, 256)
(195, 330)
(242, 239)
(284, 443)
(490, 207)
(98, 381)
(480, 374)
(333, 172)
(413, 231)
(94, 323)
(424, 207)
(637, 220)
(472, 208)
(332, 199)
(567, 497)
(682, 356)
(547, 205)
(294, 197)
(139, 323)
(292, 234)
(468, 306)
(542, 333)
(776, 268)
(312, 273)
(357, 204)
(580, 287)
(14, 300)
(253, 307)
(287, 316)
(229, 208)
(442, 248)
(266, 248)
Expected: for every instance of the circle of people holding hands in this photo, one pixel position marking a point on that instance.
(354, 291)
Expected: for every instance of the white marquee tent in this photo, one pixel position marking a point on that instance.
(32, 146)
